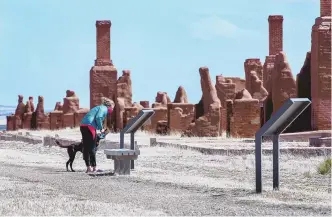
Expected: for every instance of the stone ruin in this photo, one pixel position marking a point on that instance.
(67, 115)
(232, 106)
(207, 111)
(27, 116)
(180, 113)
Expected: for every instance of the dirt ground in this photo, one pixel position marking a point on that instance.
(166, 181)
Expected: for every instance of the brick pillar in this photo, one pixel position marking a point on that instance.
(320, 68)
(103, 28)
(275, 34)
(103, 75)
(325, 8)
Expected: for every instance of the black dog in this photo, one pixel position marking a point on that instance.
(78, 146)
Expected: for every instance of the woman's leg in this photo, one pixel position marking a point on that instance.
(93, 155)
(87, 144)
(93, 159)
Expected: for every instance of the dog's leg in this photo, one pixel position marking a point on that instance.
(72, 158)
(67, 165)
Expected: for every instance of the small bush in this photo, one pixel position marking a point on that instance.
(325, 167)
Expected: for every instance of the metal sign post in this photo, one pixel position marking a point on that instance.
(132, 126)
(288, 112)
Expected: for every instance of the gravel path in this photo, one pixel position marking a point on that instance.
(168, 181)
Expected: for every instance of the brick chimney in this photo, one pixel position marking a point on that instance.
(275, 34)
(103, 28)
(325, 8)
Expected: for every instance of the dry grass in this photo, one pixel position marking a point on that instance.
(325, 167)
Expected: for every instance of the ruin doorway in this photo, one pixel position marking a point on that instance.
(268, 107)
(303, 86)
(199, 109)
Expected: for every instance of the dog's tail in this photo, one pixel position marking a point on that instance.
(60, 145)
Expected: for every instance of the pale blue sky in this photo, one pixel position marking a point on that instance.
(48, 46)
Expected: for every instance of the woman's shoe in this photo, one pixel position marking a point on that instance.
(88, 170)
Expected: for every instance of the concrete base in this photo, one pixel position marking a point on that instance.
(320, 142)
(122, 159)
(122, 167)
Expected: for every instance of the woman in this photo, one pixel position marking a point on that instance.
(91, 122)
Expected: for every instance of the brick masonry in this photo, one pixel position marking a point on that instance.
(245, 119)
(284, 85)
(103, 29)
(275, 34)
(56, 120)
(225, 88)
(253, 64)
(160, 115)
(103, 75)
(239, 83)
(325, 8)
(145, 104)
(267, 72)
(180, 115)
(321, 71)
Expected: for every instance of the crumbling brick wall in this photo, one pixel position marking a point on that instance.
(10, 123)
(125, 88)
(161, 100)
(180, 115)
(257, 89)
(267, 72)
(240, 83)
(117, 115)
(19, 113)
(284, 85)
(181, 96)
(56, 120)
(253, 64)
(40, 120)
(160, 115)
(209, 123)
(245, 119)
(71, 104)
(27, 116)
(321, 69)
(124, 99)
(56, 117)
(259, 93)
(131, 112)
(145, 104)
(58, 106)
(226, 90)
